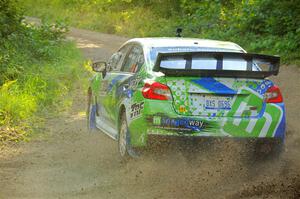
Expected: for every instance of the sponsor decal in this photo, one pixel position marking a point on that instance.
(129, 93)
(133, 83)
(262, 87)
(182, 109)
(113, 82)
(136, 110)
(181, 124)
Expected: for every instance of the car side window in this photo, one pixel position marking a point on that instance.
(134, 60)
(116, 60)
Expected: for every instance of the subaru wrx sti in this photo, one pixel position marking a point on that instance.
(185, 87)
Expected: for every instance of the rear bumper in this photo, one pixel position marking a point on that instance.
(162, 121)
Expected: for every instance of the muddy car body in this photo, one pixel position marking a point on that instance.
(185, 87)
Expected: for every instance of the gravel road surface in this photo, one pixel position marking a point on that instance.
(66, 161)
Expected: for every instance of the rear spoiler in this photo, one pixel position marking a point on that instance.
(273, 63)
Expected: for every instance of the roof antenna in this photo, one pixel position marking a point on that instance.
(178, 32)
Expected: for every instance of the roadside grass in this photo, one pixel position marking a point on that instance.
(133, 22)
(39, 68)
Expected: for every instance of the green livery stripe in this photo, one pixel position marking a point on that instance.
(261, 127)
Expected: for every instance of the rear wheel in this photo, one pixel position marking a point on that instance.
(126, 151)
(123, 142)
(268, 149)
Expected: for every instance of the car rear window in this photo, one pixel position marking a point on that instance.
(155, 50)
(207, 63)
(202, 63)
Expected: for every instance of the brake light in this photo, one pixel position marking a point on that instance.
(156, 91)
(273, 95)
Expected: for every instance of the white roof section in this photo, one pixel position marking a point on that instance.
(179, 41)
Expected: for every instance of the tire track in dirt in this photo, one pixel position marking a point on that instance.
(68, 162)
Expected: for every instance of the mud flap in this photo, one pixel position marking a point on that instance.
(92, 118)
(131, 151)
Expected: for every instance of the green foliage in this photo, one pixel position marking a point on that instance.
(29, 45)
(41, 86)
(10, 17)
(37, 68)
(271, 26)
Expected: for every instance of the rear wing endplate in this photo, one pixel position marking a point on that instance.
(272, 62)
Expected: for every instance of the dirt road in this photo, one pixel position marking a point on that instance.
(68, 162)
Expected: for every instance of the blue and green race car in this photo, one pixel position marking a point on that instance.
(185, 87)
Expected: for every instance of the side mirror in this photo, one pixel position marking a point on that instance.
(99, 66)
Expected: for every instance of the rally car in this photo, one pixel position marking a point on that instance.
(185, 87)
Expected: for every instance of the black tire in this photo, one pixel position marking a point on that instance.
(123, 141)
(90, 114)
(126, 151)
(268, 149)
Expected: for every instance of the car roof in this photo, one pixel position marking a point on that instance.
(179, 41)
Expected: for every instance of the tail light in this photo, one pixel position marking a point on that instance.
(156, 91)
(273, 95)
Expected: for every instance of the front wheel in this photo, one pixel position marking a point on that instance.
(90, 113)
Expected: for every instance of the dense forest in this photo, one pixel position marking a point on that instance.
(271, 26)
(37, 67)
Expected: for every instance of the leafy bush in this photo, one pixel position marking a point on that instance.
(37, 68)
(10, 17)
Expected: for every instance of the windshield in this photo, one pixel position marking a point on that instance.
(202, 63)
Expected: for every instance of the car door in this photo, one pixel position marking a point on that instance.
(116, 85)
(106, 97)
(125, 80)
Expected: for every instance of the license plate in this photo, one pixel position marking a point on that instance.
(217, 102)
